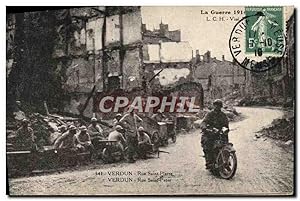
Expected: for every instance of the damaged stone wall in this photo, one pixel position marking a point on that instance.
(34, 77)
(132, 28)
(278, 82)
(113, 64)
(169, 62)
(166, 59)
(10, 37)
(100, 53)
(172, 73)
(132, 69)
(219, 77)
(87, 46)
(163, 34)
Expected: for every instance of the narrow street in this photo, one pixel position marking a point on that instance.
(263, 168)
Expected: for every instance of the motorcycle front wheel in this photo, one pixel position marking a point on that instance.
(227, 165)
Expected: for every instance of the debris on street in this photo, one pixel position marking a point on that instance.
(281, 129)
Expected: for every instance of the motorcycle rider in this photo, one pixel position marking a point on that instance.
(214, 119)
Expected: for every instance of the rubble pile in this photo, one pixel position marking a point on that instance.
(41, 128)
(231, 113)
(237, 99)
(46, 127)
(264, 101)
(233, 98)
(281, 129)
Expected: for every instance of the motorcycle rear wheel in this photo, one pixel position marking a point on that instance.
(227, 170)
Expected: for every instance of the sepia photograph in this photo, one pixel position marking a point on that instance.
(150, 101)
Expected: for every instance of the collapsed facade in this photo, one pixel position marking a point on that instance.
(70, 56)
(163, 34)
(95, 50)
(218, 77)
(168, 64)
(277, 84)
(110, 56)
(90, 52)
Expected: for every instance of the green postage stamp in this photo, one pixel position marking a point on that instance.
(265, 31)
(261, 38)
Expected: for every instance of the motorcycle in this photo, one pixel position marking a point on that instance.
(225, 160)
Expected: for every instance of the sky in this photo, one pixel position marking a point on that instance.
(195, 28)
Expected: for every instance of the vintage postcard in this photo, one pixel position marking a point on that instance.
(137, 100)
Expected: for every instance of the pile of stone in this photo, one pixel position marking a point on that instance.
(264, 101)
(281, 129)
(231, 113)
(237, 99)
(233, 98)
(45, 127)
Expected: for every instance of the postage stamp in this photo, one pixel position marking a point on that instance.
(150, 100)
(257, 41)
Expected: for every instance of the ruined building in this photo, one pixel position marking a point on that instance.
(168, 55)
(167, 63)
(278, 82)
(163, 34)
(70, 54)
(218, 77)
(71, 57)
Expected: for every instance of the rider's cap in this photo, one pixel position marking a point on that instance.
(218, 102)
(94, 119)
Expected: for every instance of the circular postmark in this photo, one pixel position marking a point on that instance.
(257, 42)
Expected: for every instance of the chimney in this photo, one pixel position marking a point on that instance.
(223, 57)
(144, 29)
(197, 57)
(208, 56)
(163, 28)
